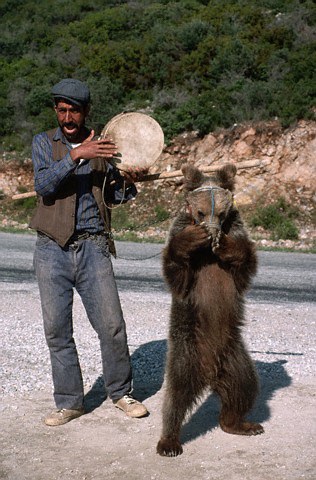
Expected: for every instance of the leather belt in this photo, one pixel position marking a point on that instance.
(84, 235)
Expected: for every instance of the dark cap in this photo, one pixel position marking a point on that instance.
(72, 90)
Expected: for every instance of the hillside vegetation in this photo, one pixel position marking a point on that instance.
(193, 65)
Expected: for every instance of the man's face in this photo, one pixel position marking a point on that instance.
(71, 119)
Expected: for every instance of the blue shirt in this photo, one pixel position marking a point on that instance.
(49, 176)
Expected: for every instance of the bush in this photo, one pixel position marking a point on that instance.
(26, 205)
(161, 214)
(277, 218)
(121, 218)
(286, 230)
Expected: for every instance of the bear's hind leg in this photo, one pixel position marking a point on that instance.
(183, 387)
(175, 406)
(232, 422)
(238, 388)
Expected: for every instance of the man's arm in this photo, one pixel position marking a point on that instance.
(48, 175)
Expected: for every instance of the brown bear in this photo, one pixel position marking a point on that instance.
(208, 263)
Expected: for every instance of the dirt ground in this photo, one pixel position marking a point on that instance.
(105, 444)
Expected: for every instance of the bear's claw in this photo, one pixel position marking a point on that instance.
(169, 447)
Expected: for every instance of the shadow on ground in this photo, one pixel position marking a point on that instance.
(148, 366)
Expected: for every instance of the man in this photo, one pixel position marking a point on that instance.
(73, 251)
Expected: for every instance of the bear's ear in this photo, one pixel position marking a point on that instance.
(193, 178)
(226, 176)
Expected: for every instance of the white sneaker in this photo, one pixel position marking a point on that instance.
(132, 408)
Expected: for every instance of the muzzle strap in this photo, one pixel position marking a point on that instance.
(210, 189)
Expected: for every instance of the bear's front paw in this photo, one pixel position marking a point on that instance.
(169, 447)
(188, 240)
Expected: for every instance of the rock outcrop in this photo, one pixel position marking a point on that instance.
(287, 160)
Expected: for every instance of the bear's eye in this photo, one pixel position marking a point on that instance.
(201, 214)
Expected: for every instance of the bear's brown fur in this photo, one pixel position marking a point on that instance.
(208, 263)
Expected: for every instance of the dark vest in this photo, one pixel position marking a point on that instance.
(55, 215)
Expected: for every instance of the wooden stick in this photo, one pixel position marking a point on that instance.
(166, 175)
(211, 168)
(18, 196)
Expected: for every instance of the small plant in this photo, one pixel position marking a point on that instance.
(26, 204)
(121, 218)
(286, 230)
(277, 218)
(161, 213)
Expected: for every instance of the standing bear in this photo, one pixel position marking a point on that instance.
(208, 263)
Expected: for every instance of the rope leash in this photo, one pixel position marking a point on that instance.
(103, 197)
(130, 229)
(139, 259)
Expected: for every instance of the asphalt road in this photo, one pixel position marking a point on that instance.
(282, 277)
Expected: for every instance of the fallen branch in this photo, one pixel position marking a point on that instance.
(212, 168)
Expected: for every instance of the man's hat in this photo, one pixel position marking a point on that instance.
(72, 90)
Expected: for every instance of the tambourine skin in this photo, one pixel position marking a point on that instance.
(139, 139)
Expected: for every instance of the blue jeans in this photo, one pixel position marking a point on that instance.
(85, 265)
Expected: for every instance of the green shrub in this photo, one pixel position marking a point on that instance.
(286, 230)
(121, 218)
(278, 218)
(26, 204)
(161, 213)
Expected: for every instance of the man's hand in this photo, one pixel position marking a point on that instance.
(104, 148)
(132, 175)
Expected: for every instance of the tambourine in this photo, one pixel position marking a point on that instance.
(139, 138)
